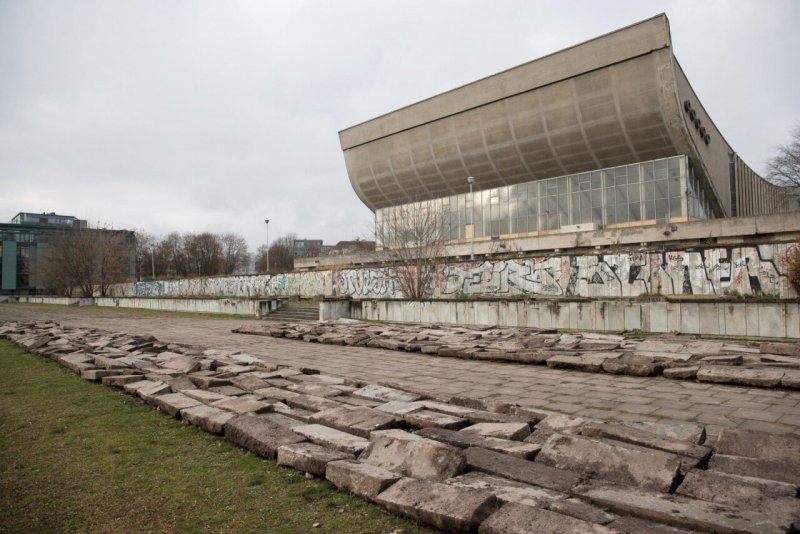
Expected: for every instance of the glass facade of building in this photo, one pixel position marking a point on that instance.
(653, 191)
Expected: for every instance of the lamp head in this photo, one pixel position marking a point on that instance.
(471, 179)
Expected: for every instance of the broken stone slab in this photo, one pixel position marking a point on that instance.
(327, 380)
(276, 394)
(400, 407)
(120, 380)
(412, 455)
(521, 470)
(507, 490)
(180, 384)
(449, 508)
(262, 434)
(680, 511)
(682, 372)
(672, 430)
(725, 488)
(304, 416)
(208, 418)
(149, 390)
(109, 363)
(242, 405)
(385, 394)
(358, 420)
(76, 361)
(768, 378)
(203, 395)
(134, 387)
(784, 349)
(360, 479)
(728, 359)
(612, 461)
(95, 375)
(738, 442)
(512, 431)
(235, 369)
(248, 382)
(318, 390)
(591, 362)
(429, 419)
(515, 518)
(309, 457)
(768, 469)
(581, 510)
(632, 366)
(311, 403)
(520, 449)
(791, 379)
(644, 438)
(637, 525)
(332, 438)
(208, 382)
(173, 403)
(180, 364)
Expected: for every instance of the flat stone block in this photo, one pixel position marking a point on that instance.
(791, 379)
(248, 382)
(756, 467)
(784, 349)
(77, 362)
(332, 438)
(644, 438)
(736, 442)
(613, 461)
(359, 420)
(521, 470)
(242, 405)
(95, 375)
(208, 382)
(109, 363)
(385, 394)
(768, 378)
(520, 519)
(430, 419)
(588, 361)
(203, 395)
(319, 390)
(691, 432)
(683, 372)
(412, 455)
(364, 480)
(173, 403)
(312, 403)
(149, 391)
(273, 393)
(681, 512)
(262, 434)
(726, 488)
(208, 418)
(448, 508)
(120, 380)
(507, 490)
(309, 457)
(513, 431)
(520, 449)
(581, 510)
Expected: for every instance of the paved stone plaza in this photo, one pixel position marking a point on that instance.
(457, 463)
(602, 395)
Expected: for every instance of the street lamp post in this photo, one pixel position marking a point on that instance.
(471, 180)
(267, 222)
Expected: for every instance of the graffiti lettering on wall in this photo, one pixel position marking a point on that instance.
(710, 271)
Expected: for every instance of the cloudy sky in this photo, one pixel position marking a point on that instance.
(196, 116)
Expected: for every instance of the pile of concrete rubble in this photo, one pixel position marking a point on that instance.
(457, 464)
(769, 364)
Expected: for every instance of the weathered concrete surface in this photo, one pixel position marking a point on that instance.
(684, 513)
(449, 508)
(521, 470)
(332, 438)
(466, 439)
(262, 434)
(507, 490)
(358, 420)
(644, 438)
(309, 457)
(520, 519)
(514, 431)
(359, 478)
(208, 418)
(613, 461)
(173, 403)
(411, 455)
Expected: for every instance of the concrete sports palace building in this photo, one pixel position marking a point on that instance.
(605, 134)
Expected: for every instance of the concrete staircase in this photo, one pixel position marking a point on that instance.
(295, 312)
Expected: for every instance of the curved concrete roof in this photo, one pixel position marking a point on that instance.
(613, 100)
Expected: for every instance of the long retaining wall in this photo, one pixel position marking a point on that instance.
(196, 305)
(746, 270)
(750, 319)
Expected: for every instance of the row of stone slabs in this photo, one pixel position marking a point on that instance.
(456, 466)
(769, 365)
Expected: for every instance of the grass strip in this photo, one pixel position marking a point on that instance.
(78, 456)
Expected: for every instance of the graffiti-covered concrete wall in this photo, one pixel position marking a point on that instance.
(751, 270)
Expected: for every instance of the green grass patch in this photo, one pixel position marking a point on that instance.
(78, 456)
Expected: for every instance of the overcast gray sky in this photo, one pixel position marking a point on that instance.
(195, 116)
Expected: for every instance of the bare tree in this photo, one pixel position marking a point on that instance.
(88, 260)
(412, 237)
(204, 253)
(234, 250)
(784, 168)
(146, 244)
(281, 259)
